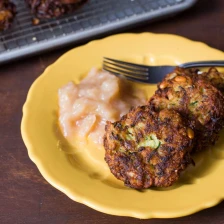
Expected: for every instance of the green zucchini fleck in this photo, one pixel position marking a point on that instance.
(150, 141)
(193, 103)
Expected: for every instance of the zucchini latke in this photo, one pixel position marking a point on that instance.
(147, 148)
(197, 99)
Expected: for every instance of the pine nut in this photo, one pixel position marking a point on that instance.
(163, 85)
(190, 133)
(180, 79)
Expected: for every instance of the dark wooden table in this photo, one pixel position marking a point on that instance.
(25, 197)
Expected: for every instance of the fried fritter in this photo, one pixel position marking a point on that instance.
(215, 77)
(7, 13)
(196, 99)
(147, 148)
(53, 8)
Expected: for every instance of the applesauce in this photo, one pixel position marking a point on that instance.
(84, 108)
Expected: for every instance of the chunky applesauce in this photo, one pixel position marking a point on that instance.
(84, 108)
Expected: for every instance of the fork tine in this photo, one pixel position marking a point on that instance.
(127, 64)
(126, 77)
(138, 72)
(129, 74)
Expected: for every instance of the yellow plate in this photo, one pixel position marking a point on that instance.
(84, 176)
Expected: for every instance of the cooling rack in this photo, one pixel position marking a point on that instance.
(94, 18)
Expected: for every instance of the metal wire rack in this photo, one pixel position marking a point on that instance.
(93, 18)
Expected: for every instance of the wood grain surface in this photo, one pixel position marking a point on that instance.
(25, 196)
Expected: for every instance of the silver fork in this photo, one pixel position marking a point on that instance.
(150, 74)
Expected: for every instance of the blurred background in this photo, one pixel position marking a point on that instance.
(40, 26)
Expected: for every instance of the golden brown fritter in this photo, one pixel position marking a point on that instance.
(7, 13)
(215, 77)
(195, 98)
(147, 148)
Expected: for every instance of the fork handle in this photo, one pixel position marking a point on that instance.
(216, 63)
